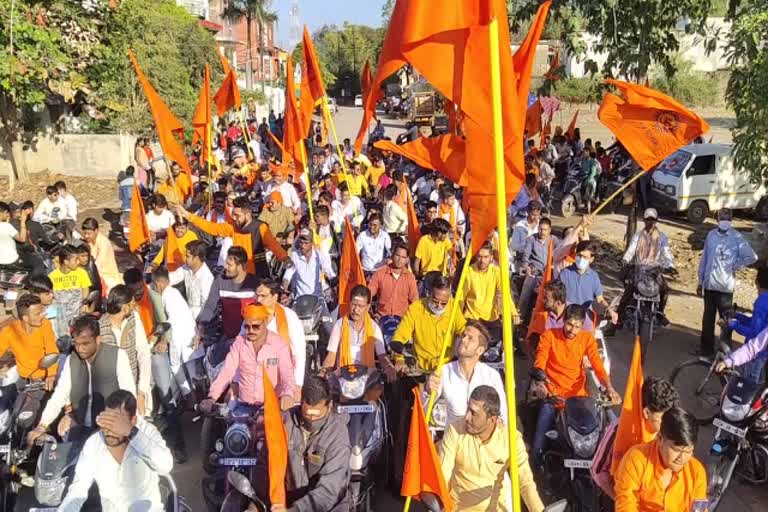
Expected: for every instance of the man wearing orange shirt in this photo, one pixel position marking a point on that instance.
(663, 474)
(559, 355)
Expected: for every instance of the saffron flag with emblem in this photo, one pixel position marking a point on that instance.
(167, 125)
(422, 472)
(632, 427)
(277, 443)
(201, 120)
(350, 269)
(649, 124)
(138, 230)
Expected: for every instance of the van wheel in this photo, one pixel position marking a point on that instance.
(761, 211)
(697, 212)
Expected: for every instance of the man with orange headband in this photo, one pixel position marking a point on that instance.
(281, 184)
(259, 348)
(278, 218)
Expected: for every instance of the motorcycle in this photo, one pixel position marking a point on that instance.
(241, 496)
(359, 395)
(644, 315)
(12, 279)
(740, 444)
(317, 328)
(238, 449)
(572, 193)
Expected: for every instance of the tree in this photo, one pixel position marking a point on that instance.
(258, 11)
(748, 55)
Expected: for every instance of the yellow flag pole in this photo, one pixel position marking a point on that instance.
(446, 343)
(209, 144)
(501, 207)
(619, 191)
(245, 133)
(329, 120)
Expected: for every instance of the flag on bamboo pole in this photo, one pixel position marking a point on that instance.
(422, 472)
(445, 154)
(538, 323)
(414, 229)
(201, 120)
(533, 118)
(277, 443)
(649, 124)
(632, 427)
(138, 233)
(524, 57)
(571, 131)
(451, 49)
(166, 124)
(350, 269)
(294, 130)
(228, 95)
(312, 88)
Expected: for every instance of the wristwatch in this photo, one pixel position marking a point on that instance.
(132, 434)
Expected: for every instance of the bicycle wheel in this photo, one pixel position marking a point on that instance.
(699, 388)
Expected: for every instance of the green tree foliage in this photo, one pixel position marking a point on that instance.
(746, 95)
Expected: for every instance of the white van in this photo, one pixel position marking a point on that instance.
(700, 178)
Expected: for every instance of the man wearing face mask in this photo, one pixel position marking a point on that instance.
(582, 284)
(725, 252)
(318, 452)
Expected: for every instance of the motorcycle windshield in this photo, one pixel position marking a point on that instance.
(742, 391)
(581, 414)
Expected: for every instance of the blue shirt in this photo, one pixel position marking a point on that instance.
(749, 327)
(724, 254)
(580, 288)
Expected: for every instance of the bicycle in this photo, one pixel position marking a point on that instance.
(704, 403)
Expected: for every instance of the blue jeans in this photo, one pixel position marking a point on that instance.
(544, 423)
(753, 370)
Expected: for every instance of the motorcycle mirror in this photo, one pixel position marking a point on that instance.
(48, 360)
(242, 484)
(161, 329)
(558, 506)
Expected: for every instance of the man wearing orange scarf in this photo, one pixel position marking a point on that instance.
(356, 339)
(284, 322)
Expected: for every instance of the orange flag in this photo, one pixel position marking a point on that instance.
(224, 62)
(552, 72)
(545, 132)
(286, 156)
(294, 130)
(228, 95)
(350, 269)
(649, 124)
(525, 55)
(445, 154)
(277, 443)
(201, 121)
(414, 229)
(312, 88)
(632, 429)
(538, 323)
(166, 124)
(571, 131)
(422, 471)
(533, 118)
(138, 233)
(366, 79)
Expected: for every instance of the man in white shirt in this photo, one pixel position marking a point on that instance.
(460, 377)
(9, 235)
(255, 145)
(195, 275)
(53, 210)
(285, 322)
(124, 459)
(93, 371)
(69, 201)
(373, 245)
(159, 218)
(350, 206)
(394, 219)
(287, 190)
(311, 268)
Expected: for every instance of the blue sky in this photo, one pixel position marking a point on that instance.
(316, 13)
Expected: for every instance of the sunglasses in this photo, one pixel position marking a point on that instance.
(253, 327)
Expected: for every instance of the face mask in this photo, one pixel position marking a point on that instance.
(436, 310)
(314, 425)
(582, 263)
(724, 225)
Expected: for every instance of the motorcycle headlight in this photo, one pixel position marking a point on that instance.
(237, 439)
(439, 415)
(584, 445)
(308, 324)
(734, 412)
(353, 389)
(493, 354)
(647, 287)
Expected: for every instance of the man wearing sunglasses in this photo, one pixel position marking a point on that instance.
(257, 349)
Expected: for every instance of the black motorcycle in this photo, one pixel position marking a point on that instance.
(313, 314)
(645, 314)
(740, 445)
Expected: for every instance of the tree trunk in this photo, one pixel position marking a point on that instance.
(10, 145)
(261, 57)
(249, 64)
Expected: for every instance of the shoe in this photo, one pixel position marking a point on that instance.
(180, 455)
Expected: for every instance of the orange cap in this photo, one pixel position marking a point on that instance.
(276, 197)
(254, 311)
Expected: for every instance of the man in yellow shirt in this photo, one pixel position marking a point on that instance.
(426, 322)
(358, 186)
(663, 475)
(474, 454)
(481, 298)
(375, 170)
(433, 252)
(173, 253)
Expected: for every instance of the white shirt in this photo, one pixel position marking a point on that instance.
(373, 250)
(354, 209)
(393, 218)
(356, 340)
(458, 214)
(255, 146)
(131, 485)
(61, 391)
(71, 204)
(520, 234)
(455, 388)
(196, 284)
(8, 234)
(160, 222)
(288, 191)
(143, 352)
(182, 325)
(307, 277)
(44, 212)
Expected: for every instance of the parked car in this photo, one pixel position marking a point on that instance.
(359, 100)
(701, 178)
(332, 107)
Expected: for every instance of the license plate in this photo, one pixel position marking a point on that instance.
(577, 463)
(11, 294)
(311, 337)
(237, 461)
(355, 409)
(731, 429)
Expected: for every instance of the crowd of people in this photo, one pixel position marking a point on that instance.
(227, 258)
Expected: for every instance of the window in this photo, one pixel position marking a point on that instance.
(702, 166)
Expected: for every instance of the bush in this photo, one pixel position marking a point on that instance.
(577, 90)
(692, 88)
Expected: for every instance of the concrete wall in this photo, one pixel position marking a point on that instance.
(77, 155)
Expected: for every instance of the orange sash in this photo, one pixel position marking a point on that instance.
(368, 352)
(446, 209)
(146, 312)
(282, 324)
